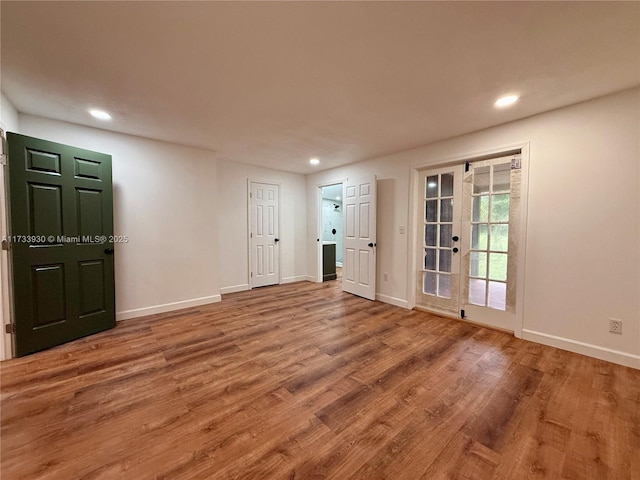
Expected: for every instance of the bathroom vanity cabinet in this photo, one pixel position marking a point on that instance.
(328, 261)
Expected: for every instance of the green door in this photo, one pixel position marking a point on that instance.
(61, 242)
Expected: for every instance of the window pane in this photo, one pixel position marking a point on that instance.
(429, 283)
(478, 264)
(481, 208)
(477, 291)
(479, 236)
(432, 187)
(500, 208)
(445, 261)
(430, 258)
(446, 210)
(445, 235)
(500, 237)
(446, 185)
(501, 177)
(431, 214)
(430, 235)
(444, 286)
(497, 295)
(498, 266)
(481, 180)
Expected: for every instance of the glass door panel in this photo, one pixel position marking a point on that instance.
(488, 267)
(439, 270)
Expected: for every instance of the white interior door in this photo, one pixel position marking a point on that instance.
(263, 235)
(359, 247)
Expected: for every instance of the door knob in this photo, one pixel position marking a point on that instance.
(108, 251)
(455, 238)
(455, 249)
(371, 245)
(276, 240)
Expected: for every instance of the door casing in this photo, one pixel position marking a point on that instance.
(5, 272)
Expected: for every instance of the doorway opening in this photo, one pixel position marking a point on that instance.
(331, 231)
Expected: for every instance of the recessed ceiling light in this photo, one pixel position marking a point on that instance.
(506, 101)
(338, 197)
(100, 114)
(314, 161)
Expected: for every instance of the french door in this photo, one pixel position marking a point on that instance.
(468, 240)
(439, 237)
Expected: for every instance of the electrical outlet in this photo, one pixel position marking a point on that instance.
(615, 325)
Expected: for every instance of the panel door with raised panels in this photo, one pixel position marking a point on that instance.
(264, 239)
(359, 246)
(61, 236)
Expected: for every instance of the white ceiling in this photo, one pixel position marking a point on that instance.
(275, 84)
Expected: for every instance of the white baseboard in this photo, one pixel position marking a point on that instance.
(398, 302)
(614, 356)
(234, 289)
(167, 307)
(311, 278)
(299, 278)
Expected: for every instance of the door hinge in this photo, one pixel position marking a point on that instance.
(4, 159)
(251, 235)
(462, 315)
(250, 195)
(251, 274)
(5, 244)
(467, 166)
(10, 328)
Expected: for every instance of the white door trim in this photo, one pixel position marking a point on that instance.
(248, 195)
(6, 343)
(503, 150)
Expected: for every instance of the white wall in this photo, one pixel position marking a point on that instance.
(8, 115)
(165, 201)
(233, 223)
(583, 234)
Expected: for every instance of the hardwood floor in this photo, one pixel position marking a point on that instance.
(304, 382)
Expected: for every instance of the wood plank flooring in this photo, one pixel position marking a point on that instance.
(302, 381)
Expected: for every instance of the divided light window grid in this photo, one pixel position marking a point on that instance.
(438, 229)
(489, 236)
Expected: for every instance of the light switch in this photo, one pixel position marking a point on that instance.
(402, 229)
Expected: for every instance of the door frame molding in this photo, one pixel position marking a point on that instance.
(7, 349)
(319, 186)
(503, 150)
(248, 193)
